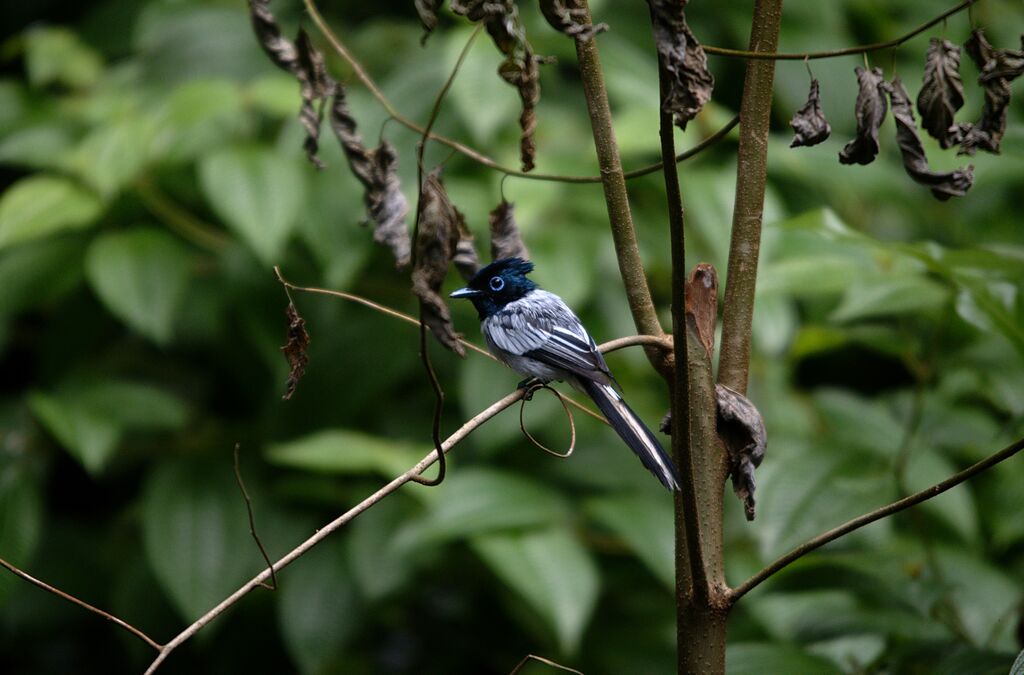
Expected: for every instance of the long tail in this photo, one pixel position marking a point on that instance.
(636, 435)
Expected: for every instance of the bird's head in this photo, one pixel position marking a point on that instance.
(498, 284)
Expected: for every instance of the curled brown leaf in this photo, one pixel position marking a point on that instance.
(943, 184)
(997, 68)
(942, 92)
(506, 241)
(690, 82)
(870, 111)
(377, 170)
(436, 245)
(809, 123)
(305, 62)
(501, 18)
(295, 350)
(427, 10)
(466, 259)
(741, 429)
(571, 18)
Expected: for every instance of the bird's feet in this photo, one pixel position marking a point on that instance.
(529, 385)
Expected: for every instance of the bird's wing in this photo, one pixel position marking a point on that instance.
(542, 327)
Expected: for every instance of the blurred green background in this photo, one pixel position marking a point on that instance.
(152, 174)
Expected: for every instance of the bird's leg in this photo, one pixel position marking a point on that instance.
(530, 384)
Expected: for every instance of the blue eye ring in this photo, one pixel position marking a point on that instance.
(496, 284)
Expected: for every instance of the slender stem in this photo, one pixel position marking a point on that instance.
(178, 219)
(336, 524)
(877, 514)
(81, 603)
(846, 51)
(617, 201)
(751, 177)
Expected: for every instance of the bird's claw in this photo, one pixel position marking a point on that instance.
(529, 385)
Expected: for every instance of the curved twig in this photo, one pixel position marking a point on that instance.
(868, 518)
(342, 520)
(533, 388)
(475, 155)
(846, 51)
(272, 586)
(81, 603)
(547, 662)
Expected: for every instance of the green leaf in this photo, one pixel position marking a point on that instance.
(113, 154)
(995, 307)
(927, 467)
(38, 273)
(886, 296)
(478, 81)
(476, 501)
(318, 609)
(90, 418)
(140, 275)
(343, 451)
(36, 147)
(196, 534)
(197, 117)
(379, 567)
(40, 205)
(552, 573)
(57, 55)
(21, 519)
(258, 193)
(647, 526)
(752, 658)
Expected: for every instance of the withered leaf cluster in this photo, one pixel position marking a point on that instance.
(520, 67)
(295, 350)
(809, 124)
(870, 111)
(303, 61)
(690, 81)
(942, 93)
(506, 241)
(441, 227)
(376, 169)
(741, 429)
(571, 18)
(427, 10)
(997, 68)
(943, 184)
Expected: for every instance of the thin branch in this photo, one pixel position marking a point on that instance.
(748, 209)
(435, 384)
(81, 603)
(613, 182)
(475, 155)
(336, 524)
(530, 391)
(846, 51)
(547, 662)
(877, 514)
(178, 219)
(272, 586)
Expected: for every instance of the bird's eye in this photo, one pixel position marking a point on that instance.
(496, 284)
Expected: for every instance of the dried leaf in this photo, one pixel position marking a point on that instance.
(690, 81)
(870, 111)
(466, 259)
(944, 184)
(506, 241)
(436, 243)
(377, 170)
(996, 69)
(501, 18)
(295, 350)
(427, 9)
(571, 18)
(302, 60)
(742, 431)
(942, 93)
(809, 123)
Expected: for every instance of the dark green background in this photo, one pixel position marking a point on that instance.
(153, 174)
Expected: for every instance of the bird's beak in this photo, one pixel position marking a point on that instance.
(466, 293)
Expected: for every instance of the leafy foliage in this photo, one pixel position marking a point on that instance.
(153, 171)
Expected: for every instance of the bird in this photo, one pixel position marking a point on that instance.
(534, 333)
